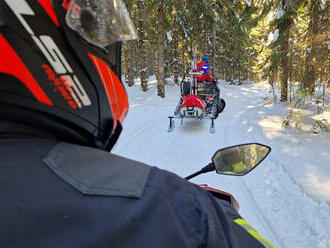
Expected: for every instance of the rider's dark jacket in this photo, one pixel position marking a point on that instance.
(56, 194)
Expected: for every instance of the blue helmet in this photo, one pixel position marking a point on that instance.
(205, 59)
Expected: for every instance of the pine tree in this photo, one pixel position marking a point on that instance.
(141, 45)
(175, 42)
(314, 41)
(160, 47)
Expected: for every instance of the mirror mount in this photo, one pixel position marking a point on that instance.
(208, 168)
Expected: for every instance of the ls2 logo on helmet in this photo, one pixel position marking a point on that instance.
(69, 86)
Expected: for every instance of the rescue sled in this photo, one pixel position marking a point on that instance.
(198, 100)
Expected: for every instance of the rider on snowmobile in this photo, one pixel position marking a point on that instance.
(205, 69)
(62, 106)
(217, 104)
(206, 76)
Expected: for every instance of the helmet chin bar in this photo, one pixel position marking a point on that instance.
(48, 125)
(118, 55)
(111, 141)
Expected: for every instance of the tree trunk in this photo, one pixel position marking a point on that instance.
(128, 64)
(160, 48)
(141, 45)
(271, 82)
(176, 46)
(205, 48)
(213, 51)
(183, 62)
(284, 59)
(310, 75)
(228, 74)
(239, 75)
(290, 67)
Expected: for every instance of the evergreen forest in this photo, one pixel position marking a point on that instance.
(283, 42)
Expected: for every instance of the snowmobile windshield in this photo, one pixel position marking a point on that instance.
(101, 22)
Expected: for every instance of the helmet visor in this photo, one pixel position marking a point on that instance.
(101, 22)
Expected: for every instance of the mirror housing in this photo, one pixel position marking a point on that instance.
(239, 160)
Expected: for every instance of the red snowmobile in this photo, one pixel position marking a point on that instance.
(198, 100)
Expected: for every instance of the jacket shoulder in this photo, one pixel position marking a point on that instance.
(95, 172)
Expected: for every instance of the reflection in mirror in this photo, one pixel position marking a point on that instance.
(239, 160)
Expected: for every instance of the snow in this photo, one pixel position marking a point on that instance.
(271, 15)
(323, 4)
(276, 35)
(280, 12)
(216, 16)
(273, 37)
(286, 198)
(169, 36)
(248, 2)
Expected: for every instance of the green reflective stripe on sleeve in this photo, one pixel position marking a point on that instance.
(261, 239)
(246, 225)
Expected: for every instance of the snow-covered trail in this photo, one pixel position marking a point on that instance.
(273, 197)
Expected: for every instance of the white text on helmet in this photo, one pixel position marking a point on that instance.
(52, 53)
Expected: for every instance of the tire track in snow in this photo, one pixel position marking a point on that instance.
(270, 231)
(246, 196)
(308, 219)
(139, 129)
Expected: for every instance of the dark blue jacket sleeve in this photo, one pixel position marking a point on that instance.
(204, 220)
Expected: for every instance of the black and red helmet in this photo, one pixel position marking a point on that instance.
(60, 67)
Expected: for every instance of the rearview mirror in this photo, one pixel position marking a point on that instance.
(239, 160)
